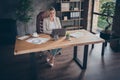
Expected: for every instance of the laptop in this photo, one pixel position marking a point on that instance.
(60, 32)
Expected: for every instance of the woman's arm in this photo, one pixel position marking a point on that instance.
(45, 27)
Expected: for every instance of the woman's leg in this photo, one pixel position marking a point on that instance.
(53, 52)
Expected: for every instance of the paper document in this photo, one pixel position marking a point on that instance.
(76, 34)
(37, 40)
(23, 37)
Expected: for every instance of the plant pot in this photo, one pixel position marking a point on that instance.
(115, 45)
(105, 34)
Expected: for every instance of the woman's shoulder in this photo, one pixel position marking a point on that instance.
(57, 17)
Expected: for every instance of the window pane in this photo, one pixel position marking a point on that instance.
(103, 14)
(98, 4)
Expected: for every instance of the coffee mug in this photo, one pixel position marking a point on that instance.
(35, 34)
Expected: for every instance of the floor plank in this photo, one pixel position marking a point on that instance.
(98, 68)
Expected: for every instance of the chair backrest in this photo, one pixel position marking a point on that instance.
(39, 21)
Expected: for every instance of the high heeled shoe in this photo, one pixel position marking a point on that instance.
(52, 61)
(48, 59)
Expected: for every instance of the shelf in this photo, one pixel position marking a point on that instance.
(73, 19)
(74, 27)
(69, 1)
(70, 12)
(73, 10)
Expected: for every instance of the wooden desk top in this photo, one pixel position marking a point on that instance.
(23, 47)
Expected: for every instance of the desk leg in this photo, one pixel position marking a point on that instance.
(85, 57)
(103, 48)
(75, 52)
(33, 66)
(105, 44)
(84, 65)
(92, 46)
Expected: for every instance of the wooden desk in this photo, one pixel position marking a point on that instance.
(23, 47)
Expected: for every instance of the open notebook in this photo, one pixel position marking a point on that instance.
(38, 40)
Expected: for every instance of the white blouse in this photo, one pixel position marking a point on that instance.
(49, 25)
(52, 25)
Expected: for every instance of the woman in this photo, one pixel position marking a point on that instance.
(50, 23)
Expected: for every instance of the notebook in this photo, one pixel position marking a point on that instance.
(60, 32)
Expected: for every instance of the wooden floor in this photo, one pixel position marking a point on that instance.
(25, 67)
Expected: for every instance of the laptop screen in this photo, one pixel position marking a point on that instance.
(59, 32)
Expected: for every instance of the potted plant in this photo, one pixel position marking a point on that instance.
(68, 36)
(24, 12)
(107, 9)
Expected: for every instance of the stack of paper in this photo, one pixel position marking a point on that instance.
(23, 37)
(76, 34)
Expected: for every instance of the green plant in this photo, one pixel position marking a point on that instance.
(107, 9)
(68, 36)
(24, 11)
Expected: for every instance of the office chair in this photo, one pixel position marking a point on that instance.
(39, 21)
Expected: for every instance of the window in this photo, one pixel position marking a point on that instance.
(102, 14)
